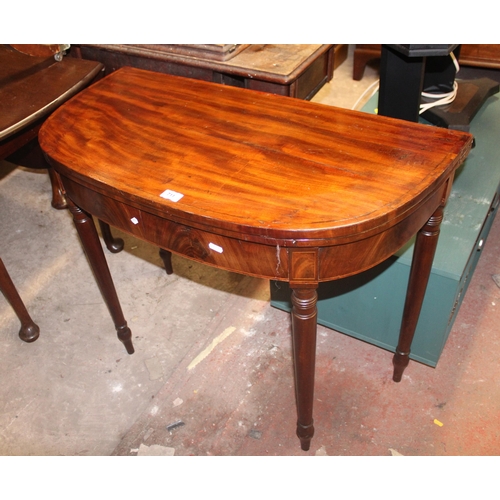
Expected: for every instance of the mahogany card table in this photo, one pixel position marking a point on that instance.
(254, 183)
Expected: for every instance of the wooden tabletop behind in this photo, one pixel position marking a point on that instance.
(32, 87)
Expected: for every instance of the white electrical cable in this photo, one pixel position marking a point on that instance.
(444, 98)
(374, 84)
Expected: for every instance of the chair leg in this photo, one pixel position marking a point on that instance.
(29, 331)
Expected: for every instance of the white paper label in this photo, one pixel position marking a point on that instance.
(215, 248)
(171, 195)
(134, 220)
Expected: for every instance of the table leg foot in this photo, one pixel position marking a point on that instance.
(305, 434)
(304, 322)
(125, 336)
(29, 332)
(92, 246)
(166, 256)
(59, 200)
(400, 362)
(114, 245)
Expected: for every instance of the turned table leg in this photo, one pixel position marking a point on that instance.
(304, 323)
(423, 256)
(29, 331)
(92, 246)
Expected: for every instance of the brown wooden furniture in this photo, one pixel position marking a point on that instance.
(34, 80)
(31, 87)
(480, 55)
(288, 69)
(363, 54)
(257, 184)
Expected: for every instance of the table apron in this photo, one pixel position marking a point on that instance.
(301, 266)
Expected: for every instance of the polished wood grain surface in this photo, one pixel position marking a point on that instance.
(260, 165)
(32, 87)
(256, 183)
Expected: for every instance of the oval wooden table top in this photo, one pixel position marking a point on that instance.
(267, 169)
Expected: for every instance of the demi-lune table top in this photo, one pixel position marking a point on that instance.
(268, 168)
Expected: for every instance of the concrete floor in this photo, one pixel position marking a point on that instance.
(212, 371)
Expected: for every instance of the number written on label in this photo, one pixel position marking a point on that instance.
(171, 195)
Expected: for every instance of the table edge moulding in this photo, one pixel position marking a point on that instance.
(254, 183)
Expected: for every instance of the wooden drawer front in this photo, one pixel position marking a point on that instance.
(245, 257)
(314, 77)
